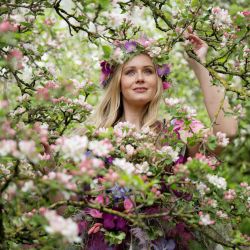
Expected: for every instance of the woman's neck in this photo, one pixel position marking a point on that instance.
(134, 114)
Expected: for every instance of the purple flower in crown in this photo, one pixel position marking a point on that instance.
(130, 46)
(106, 71)
(163, 70)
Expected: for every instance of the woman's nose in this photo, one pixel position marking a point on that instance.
(140, 77)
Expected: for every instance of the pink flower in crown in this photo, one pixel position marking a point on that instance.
(145, 42)
(166, 85)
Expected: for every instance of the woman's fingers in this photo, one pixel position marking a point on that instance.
(195, 39)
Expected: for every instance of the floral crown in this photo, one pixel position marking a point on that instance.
(120, 52)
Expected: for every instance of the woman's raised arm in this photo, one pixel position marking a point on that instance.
(214, 96)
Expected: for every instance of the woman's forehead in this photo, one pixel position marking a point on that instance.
(141, 60)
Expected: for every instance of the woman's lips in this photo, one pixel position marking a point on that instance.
(140, 90)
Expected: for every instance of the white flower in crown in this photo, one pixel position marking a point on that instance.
(154, 51)
(118, 55)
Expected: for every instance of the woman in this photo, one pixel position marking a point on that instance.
(134, 91)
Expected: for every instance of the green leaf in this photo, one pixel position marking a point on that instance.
(194, 3)
(107, 51)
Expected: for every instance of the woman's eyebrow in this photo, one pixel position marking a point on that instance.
(132, 67)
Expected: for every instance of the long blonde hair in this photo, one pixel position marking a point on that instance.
(110, 109)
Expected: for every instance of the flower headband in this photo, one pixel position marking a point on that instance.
(120, 52)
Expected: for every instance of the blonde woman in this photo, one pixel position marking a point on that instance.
(133, 90)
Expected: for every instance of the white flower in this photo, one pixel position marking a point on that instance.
(123, 129)
(130, 149)
(7, 147)
(172, 101)
(217, 181)
(154, 51)
(222, 139)
(66, 227)
(81, 101)
(28, 149)
(205, 219)
(72, 147)
(101, 148)
(202, 188)
(222, 215)
(189, 110)
(118, 55)
(220, 18)
(28, 185)
(169, 150)
(124, 165)
(142, 168)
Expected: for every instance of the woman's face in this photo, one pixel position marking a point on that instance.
(138, 80)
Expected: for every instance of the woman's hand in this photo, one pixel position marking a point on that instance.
(200, 47)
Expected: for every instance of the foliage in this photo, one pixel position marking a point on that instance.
(50, 53)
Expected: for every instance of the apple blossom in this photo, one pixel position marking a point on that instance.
(66, 227)
(217, 181)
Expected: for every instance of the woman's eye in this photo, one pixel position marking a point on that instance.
(149, 71)
(131, 72)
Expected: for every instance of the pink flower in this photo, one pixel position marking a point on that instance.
(230, 195)
(15, 58)
(246, 13)
(205, 219)
(144, 41)
(128, 204)
(196, 126)
(93, 212)
(243, 184)
(102, 200)
(96, 228)
(166, 85)
(6, 26)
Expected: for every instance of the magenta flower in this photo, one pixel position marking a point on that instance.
(130, 46)
(106, 71)
(166, 85)
(163, 70)
(114, 222)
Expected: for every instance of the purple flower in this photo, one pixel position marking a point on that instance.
(109, 160)
(82, 226)
(162, 243)
(130, 46)
(106, 71)
(106, 68)
(163, 70)
(97, 242)
(114, 222)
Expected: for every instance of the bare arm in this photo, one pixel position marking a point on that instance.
(214, 96)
